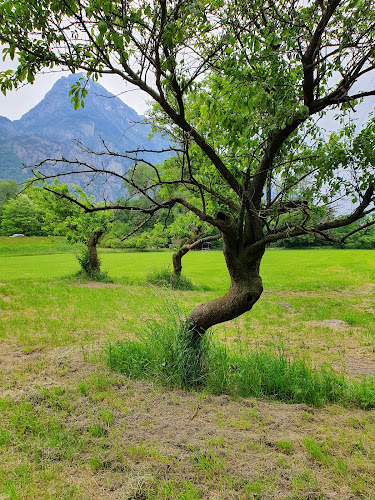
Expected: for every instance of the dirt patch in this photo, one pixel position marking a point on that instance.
(367, 305)
(356, 365)
(97, 284)
(11, 357)
(227, 449)
(334, 324)
(366, 289)
(21, 370)
(216, 437)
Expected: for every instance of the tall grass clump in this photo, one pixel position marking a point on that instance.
(167, 352)
(272, 373)
(164, 277)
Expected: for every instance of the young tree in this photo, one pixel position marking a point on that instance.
(87, 229)
(61, 217)
(83, 227)
(190, 234)
(262, 73)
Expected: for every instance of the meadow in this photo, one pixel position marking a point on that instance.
(72, 428)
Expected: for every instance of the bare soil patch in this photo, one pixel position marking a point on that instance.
(365, 289)
(356, 365)
(98, 284)
(38, 367)
(334, 324)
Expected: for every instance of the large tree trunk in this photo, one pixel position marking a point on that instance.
(245, 289)
(94, 263)
(177, 261)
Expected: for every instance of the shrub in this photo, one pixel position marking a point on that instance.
(166, 351)
(164, 277)
(84, 260)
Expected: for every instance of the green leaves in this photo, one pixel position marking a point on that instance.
(78, 92)
(102, 27)
(61, 216)
(21, 215)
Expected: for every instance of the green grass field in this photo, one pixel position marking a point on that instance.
(70, 428)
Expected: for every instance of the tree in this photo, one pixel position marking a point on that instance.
(262, 73)
(83, 227)
(22, 215)
(190, 234)
(183, 228)
(61, 217)
(8, 189)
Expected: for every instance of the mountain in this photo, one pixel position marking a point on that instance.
(52, 127)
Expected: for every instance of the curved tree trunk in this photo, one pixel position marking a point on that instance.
(192, 243)
(176, 262)
(94, 263)
(245, 289)
(240, 298)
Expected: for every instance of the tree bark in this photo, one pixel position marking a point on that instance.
(176, 262)
(245, 289)
(94, 262)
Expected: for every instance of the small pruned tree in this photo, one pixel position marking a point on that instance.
(189, 233)
(61, 217)
(87, 228)
(242, 84)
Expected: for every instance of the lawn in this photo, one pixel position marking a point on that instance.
(71, 428)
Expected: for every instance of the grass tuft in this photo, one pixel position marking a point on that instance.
(92, 275)
(271, 373)
(164, 277)
(168, 353)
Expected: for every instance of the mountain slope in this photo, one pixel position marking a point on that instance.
(52, 127)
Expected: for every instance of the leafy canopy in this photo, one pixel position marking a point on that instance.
(240, 85)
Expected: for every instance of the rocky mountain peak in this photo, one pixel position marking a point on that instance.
(52, 127)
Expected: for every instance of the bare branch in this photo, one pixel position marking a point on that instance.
(358, 213)
(137, 228)
(360, 228)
